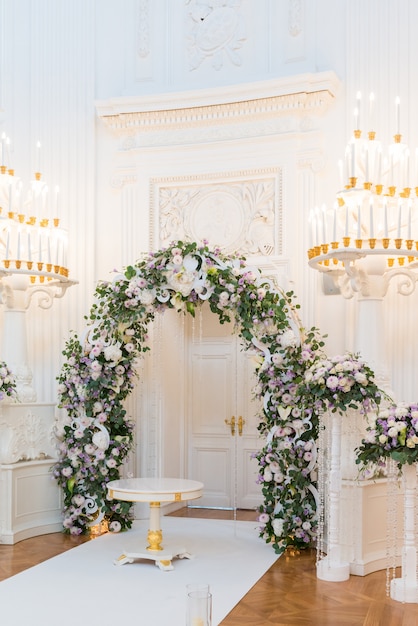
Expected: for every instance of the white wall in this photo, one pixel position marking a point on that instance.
(59, 58)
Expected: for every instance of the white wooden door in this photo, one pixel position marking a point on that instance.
(222, 416)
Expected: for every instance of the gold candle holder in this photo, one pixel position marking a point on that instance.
(49, 267)
(6, 264)
(391, 191)
(21, 218)
(3, 169)
(372, 243)
(346, 241)
(56, 222)
(11, 172)
(401, 260)
(390, 262)
(359, 243)
(372, 135)
(40, 266)
(41, 279)
(398, 243)
(324, 248)
(411, 259)
(57, 267)
(32, 279)
(18, 264)
(326, 262)
(317, 250)
(32, 221)
(406, 192)
(29, 264)
(335, 261)
(11, 215)
(385, 242)
(37, 175)
(379, 189)
(397, 138)
(353, 181)
(357, 134)
(334, 245)
(367, 186)
(409, 243)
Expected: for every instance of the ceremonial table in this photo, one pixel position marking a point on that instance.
(154, 491)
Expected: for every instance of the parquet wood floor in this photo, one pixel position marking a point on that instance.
(289, 593)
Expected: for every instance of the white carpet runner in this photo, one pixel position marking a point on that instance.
(83, 586)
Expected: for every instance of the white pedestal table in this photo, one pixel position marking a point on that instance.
(155, 491)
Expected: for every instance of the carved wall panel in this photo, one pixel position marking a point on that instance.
(236, 211)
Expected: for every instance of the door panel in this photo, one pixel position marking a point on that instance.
(220, 383)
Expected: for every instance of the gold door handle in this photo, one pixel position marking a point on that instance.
(241, 423)
(231, 423)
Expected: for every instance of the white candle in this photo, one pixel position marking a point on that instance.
(40, 246)
(409, 220)
(371, 226)
(399, 219)
(406, 169)
(10, 197)
(386, 231)
(49, 247)
(379, 165)
(346, 221)
(38, 156)
(358, 109)
(353, 159)
(57, 190)
(18, 243)
(57, 262)
(358, 222)
(356, 119)
(334, 227)
(324, 225)
(7, 243)
(29, 247)
(371, 111)
(398, 115)
(340, 172)
(366, 165)
(316, 227)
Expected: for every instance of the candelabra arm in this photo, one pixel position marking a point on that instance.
(48, 292)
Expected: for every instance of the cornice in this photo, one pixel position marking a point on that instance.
(254, 103)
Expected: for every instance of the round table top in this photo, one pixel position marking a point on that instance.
(154, 489)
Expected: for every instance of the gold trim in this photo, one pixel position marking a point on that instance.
(177, 497)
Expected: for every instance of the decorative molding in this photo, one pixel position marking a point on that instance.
(26, 432)
(215, 32)
(255, 109)
(123, 176)
(236, 211)
(143, 29)
(295, 17)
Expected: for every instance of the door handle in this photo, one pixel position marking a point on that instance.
(241, 423)
(231, 423)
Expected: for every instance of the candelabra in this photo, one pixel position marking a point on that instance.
(370, 234)
(368, 237)
(33, 262)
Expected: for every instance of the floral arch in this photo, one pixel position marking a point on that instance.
(99, 372)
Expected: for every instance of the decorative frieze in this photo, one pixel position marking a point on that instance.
(236, 211)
